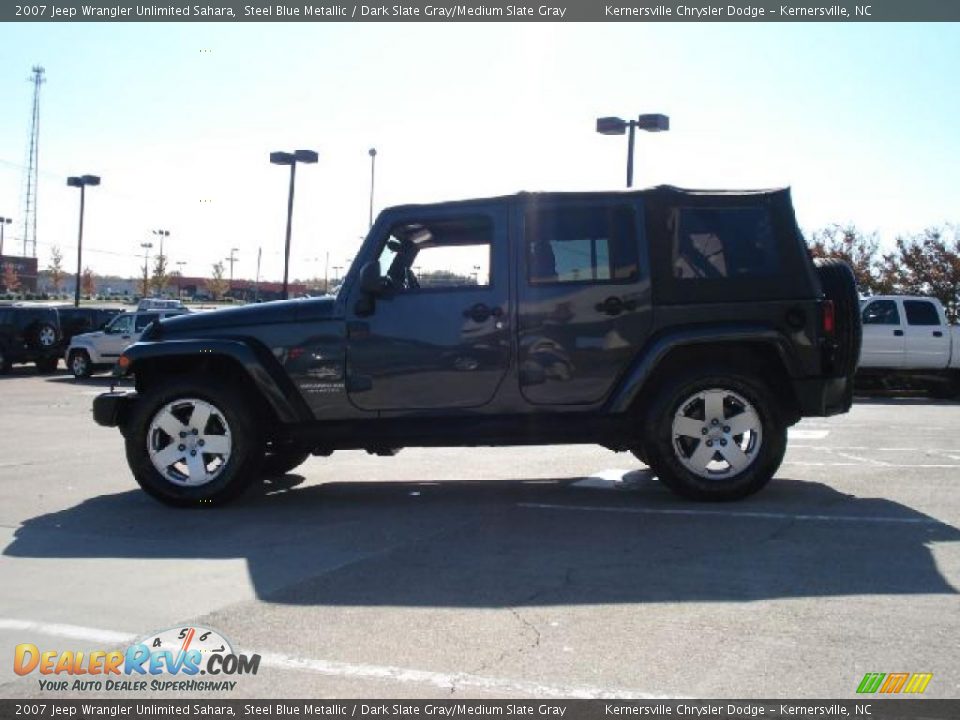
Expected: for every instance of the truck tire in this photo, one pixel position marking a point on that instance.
(4, 362)
(715, 436)
(80, 364)
(840, 286)
(193, 441)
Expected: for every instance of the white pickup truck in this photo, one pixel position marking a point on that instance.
(907, 341)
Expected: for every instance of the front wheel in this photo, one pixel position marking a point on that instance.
(192, 441)
(80, 364)
(716, 437)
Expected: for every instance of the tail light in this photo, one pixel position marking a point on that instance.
(829, 317)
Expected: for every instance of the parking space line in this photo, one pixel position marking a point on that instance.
(358, 671)
(806, 434)
(735, 513)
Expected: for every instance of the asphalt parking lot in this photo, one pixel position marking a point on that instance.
(549, 572)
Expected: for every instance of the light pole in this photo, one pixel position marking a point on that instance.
(180, 264)
(146, 265)
(4, 221)
(291, 159)
(232, 260)
(618, 126)
(373, 168)
(81, 182)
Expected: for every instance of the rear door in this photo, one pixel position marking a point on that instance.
(583, 296)
(926, 335)
(883, 335)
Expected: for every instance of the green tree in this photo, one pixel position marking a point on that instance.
(218, 285)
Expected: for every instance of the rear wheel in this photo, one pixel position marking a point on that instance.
(80, 364)
(717, 436)
(192, 441)
(4, 363)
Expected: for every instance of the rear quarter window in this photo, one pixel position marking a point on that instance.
(717, 243)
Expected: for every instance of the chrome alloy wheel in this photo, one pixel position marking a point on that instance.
(716, 433)
(47, 336)
(78, 363)
(189, 442)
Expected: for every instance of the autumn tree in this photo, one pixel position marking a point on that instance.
(927, 263)
(88, 283)
(218, 285)
(160, 277)
(859, 250)
(55, 268)
(11, 280)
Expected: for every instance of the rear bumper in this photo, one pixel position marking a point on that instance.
(822, 397)
(113, 408)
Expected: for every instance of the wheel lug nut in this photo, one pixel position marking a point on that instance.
(714, 422)
(181, 448)
(200, 443)
(183, 434)
(704, 431)
(726, 428)
(723, 442)
(709, 443)
(195, 431)
(192, 453)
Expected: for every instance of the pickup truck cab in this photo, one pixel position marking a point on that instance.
(907, 339)
(91, 352)
(688, 327)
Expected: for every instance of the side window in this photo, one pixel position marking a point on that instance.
(584, 243)
(921, 312)
(122, 325)
(881, 312)
(710, 243)
(437, 254)
(144, 319)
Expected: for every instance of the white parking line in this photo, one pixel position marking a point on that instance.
(735, 513)
(804, 434)
(356, 671)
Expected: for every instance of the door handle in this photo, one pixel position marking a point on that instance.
(480, 312)
(614, 306)
(898, 333)
(937, 333)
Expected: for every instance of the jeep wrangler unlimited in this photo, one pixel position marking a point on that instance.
(691, 328)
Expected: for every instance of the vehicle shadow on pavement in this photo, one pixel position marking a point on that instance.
(509, 543)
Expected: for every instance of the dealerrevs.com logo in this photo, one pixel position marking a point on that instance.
(171, 660)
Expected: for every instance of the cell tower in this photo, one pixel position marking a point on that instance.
(32, 166)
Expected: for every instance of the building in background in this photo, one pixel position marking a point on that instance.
(25, 271)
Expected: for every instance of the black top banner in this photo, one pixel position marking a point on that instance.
(440, 11)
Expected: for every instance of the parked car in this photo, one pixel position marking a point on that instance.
(79, 320)
(97, 351)
(691, 328)
(907, 341)
(29, 334)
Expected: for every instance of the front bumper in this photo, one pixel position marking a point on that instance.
(113, 408)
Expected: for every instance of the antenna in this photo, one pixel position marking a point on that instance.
(32, 167)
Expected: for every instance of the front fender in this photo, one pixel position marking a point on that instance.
(654, 353)
(257, 363)
(89, 348)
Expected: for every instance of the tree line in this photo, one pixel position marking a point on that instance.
(925, 263)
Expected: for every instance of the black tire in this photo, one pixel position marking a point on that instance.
(47, 365)
(763, 449)
(5, 363)
(80, 364)
(241, 467)
(840, 286)
(278, 462)
(44, 336)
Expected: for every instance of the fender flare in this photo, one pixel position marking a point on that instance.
(260, 366)
(652, 355)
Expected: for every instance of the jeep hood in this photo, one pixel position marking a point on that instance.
(269, 313)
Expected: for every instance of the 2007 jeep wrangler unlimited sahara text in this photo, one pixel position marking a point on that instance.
(689, 327)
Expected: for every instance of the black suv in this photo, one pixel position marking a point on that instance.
(29, 334)
(691, 328)
(79, 320)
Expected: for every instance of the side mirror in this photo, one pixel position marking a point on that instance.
(371, 282)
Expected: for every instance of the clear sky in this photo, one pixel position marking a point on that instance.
(862, 120)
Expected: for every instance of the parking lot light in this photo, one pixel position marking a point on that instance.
(291, 159)
(81, 182)
(653, 122)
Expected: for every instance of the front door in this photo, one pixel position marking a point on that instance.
(438, 336)
(583, 297)
(882, 345)
(116, 337)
